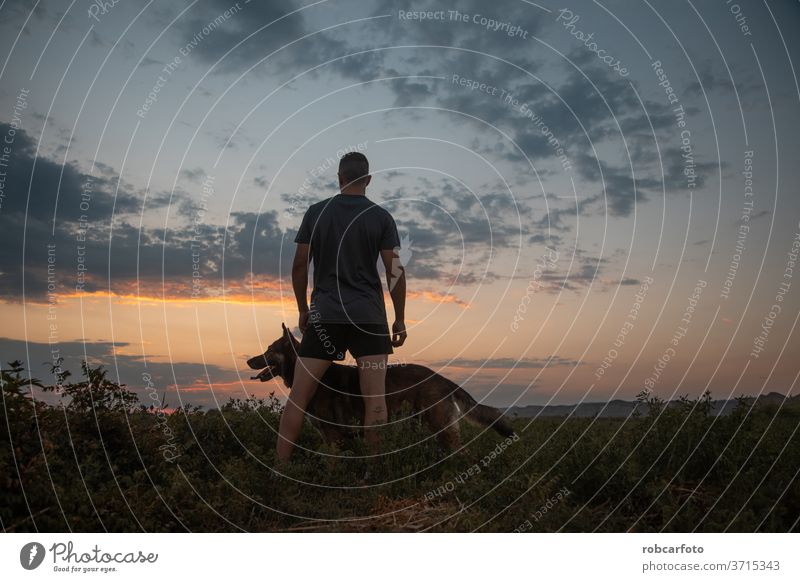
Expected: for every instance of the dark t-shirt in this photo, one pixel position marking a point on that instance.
(346, 233)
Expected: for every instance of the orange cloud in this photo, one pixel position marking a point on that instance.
(252, 290)
(432, 297)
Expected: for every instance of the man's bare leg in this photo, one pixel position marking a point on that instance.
(307, 374)
(372, 378)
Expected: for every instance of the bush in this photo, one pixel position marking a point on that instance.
(100, 461)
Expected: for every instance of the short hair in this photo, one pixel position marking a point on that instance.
(353, 167)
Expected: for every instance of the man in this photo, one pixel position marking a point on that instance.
(344, 235)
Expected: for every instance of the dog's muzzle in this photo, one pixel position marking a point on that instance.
(258, 362)
(265, 375)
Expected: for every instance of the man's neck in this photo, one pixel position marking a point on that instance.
(353, 192)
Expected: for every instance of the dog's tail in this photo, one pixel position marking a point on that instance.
(480, 414)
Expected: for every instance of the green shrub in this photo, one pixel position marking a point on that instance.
(100, 461)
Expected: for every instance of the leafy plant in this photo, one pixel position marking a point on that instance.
(95, 393)
(99, 462)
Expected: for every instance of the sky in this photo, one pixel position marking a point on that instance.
(596, 199)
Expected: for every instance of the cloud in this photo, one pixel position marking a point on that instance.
(535, 363)
(709, 81)
(73, 220)
(759, 214)
(16, 11)
(674, 178)
(55, 189)
(618, 189)
(588, 106)
(411, 92)
(124, 368)
(627, 281)
(193, 174)
(262, 28)
(553, 218)
(451, 230)
(76, 220)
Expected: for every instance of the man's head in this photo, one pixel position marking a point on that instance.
(354, 173)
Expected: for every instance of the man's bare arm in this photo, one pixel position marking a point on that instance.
(396, 281)
(300, 282)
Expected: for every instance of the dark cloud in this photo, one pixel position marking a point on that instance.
(451, 230)
(674, 178)
(469, 35)
(588, 107)
(123, 368)
(760, 214)
(544, 239)
(618, 188)
(569, 271)
(351, 46)
(16, 11)
(411, 92)
(56, 189)
(553, 218)
(73, 219)
(620, 191)
(262, 28)
(122, 257)
(710, 82)
(506, 362)
(193, 174)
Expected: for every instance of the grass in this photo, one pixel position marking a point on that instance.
(100, 461)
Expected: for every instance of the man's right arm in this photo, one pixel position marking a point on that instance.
(396, 281)
(300, 282)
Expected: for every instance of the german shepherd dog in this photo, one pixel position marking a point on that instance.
(409, 387)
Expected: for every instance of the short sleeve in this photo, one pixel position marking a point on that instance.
(303, 235)
(389, 239)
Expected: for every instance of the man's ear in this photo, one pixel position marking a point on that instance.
(367, 180)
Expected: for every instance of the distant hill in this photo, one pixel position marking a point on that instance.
(623, 408)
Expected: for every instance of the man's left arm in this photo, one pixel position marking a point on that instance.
(395, 278)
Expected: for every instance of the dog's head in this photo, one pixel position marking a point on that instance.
(278, 360)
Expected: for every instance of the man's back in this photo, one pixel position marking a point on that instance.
(346, 233)
(343, 237)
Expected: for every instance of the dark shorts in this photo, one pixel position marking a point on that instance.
(330, 341)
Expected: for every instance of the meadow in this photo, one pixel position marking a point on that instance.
(100, 460)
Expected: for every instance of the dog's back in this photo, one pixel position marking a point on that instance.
(337, 408)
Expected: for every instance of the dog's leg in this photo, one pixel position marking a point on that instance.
(443, 420)
(450, 438)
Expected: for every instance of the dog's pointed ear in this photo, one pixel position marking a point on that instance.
(294, 340)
